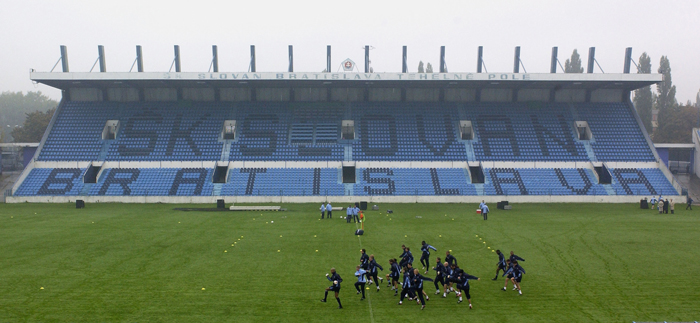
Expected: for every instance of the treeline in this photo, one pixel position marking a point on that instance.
(24, 117)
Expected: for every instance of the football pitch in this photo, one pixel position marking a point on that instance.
(150, 263)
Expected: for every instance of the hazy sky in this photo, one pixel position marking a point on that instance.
(31, 32)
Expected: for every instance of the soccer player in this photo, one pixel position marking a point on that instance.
(689, 202)
(364, 259)
(407, 286)
(425, 257)
(514, 258)
(361, 281)
(508, 273)
(402, 262)
(373, 265)
(439, 275)
(501, 264)
(418, 283)
(517, 276)
(394, 275)
(323, 210)
(409, 257)
(336, 280)
(450, 258)
(653, 202)
(329, 210)
(348, 213)
(485, 211)
(463, 286)
(450, 277)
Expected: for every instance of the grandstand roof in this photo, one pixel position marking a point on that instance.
(64, 81)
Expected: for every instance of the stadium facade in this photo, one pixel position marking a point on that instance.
(181, 137)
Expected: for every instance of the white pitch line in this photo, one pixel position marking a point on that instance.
(369, 297)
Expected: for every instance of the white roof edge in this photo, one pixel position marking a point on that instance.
(661, 145)
(315, 76)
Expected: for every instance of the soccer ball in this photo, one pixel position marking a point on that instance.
(272, 221)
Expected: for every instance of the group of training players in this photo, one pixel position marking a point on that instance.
(449, 275)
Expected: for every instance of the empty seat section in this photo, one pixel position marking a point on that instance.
(541, 181)
(524, 132)
(52, 182)
(278, 131)
(616, 133)
(642, 181)
(154, 182)
(406, 131)
(283, 182)
(76, 134)
(412, 181)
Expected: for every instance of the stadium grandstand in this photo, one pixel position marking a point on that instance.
(188, 137)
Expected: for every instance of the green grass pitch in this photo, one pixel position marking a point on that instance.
(148, 263)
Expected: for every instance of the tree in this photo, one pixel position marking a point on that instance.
(573, 65)
(420, 67)
(14, 106)
(429, 68)
(697, 100)
(642, 97)
(676, 124)
(34, 126)
(665, 90)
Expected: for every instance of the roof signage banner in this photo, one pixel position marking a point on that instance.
(271, 76)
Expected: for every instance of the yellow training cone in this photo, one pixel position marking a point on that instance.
(203, 288)
(41, 288)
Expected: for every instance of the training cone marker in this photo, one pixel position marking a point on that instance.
(314, 236)
(450, 250)
(493, 250)
(489, 247)
(477, 235)
(280, 236)
(203, 288)
(316, 250)
(225, 250)
(41, 287)
(484, 241)
(441, 236)
(232, 245)
(278, 251)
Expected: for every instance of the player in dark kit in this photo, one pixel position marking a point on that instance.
(425, 257)
(463, 286)
(517, 276)
(407, 258)
(501, 265)
(336, 280)
(394, 275)
(515, 258)
(364, 260)
(407, 287)
(372, 271)
(451, 260)
(418, 286)
(439, 275)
